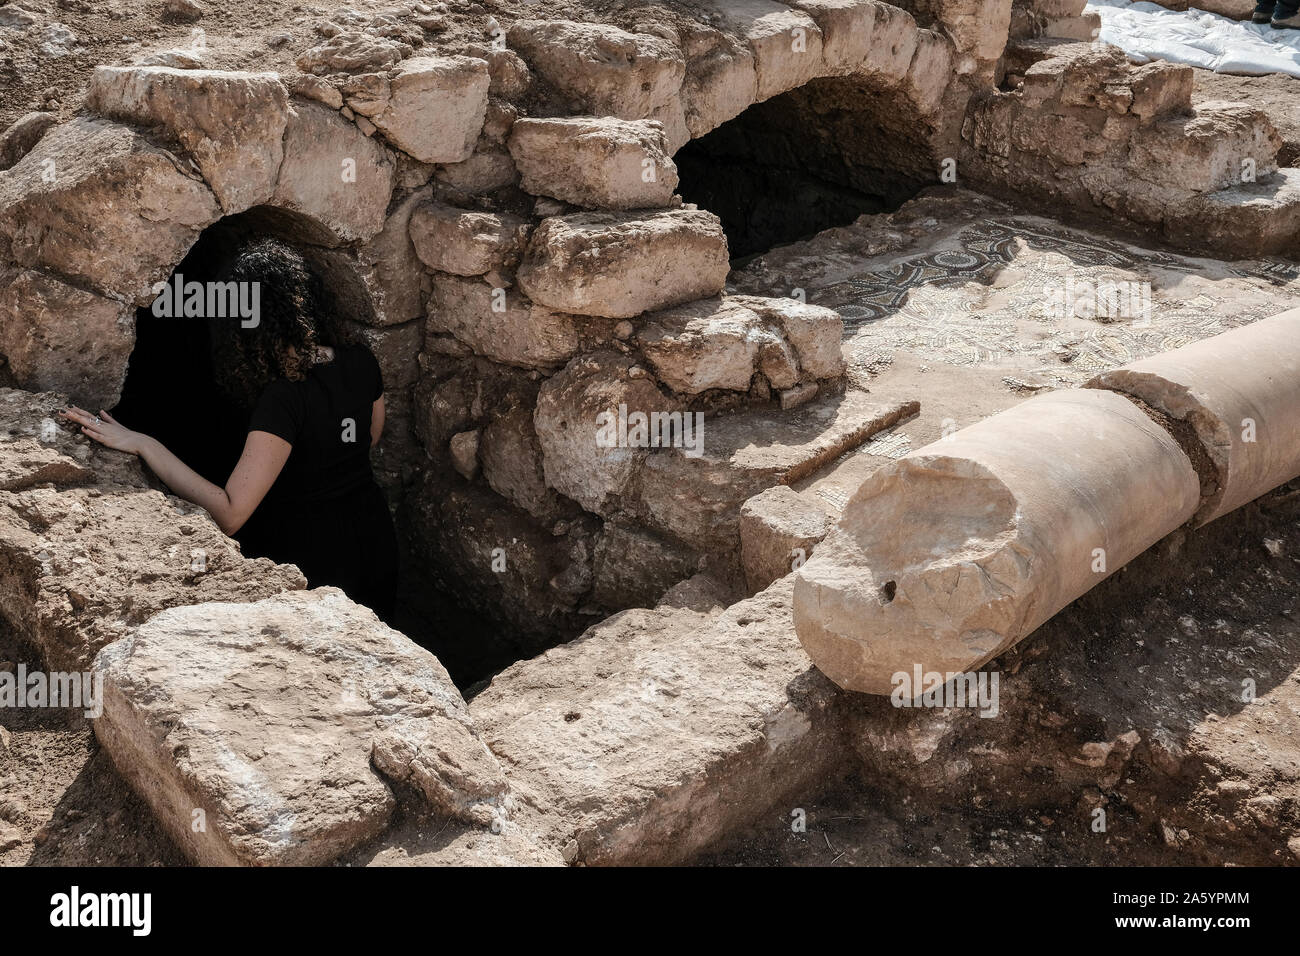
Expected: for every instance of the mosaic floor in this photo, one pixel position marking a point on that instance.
(971, 312)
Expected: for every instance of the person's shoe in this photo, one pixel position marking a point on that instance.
(1263, 11)
(1286, 19)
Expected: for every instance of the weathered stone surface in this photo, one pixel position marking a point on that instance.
(787, 43)
(464, 452)
(567, 425)
(435, 107)
(633, 567)
(1240, 392)
(267, 717)
(603, 70)
(620, 265)
(947, 557)
(698, 499)
(390, 268)
(597, 162)
(352, 51)
(487, 170)
(116, 214)
(521, 333)
(35, 449)
(232, 123)
(778, 528)
(1162, 89)
(80, 568)
(1204, 152)
(55, 336)
(1259, 218)
(721, 343)
(464, 242)
(334, 174)
(930, 71)
(512, 463)
(421, 841)
(606, 739)
(315, 88)
(814, 332)
(978, 29)
(22, 135)
(848, 31)
(713, 343)
(893, 44)
(721, 81)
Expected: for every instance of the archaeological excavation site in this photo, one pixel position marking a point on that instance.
(816, 432)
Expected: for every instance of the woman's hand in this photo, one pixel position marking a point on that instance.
(105, 429)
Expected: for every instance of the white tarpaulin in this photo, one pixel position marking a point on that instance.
(1146, 31)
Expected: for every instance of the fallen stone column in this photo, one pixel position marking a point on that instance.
(1240, 392)
(950, 555)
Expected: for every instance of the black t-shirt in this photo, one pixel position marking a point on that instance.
(326, 418)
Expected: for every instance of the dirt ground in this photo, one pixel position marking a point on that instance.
(61, 801)
(45, 65)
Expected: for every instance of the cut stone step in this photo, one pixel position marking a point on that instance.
(659, 731)
(1259, 218)
(263, 720)
(698, 499)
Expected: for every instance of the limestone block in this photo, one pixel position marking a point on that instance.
(713, 343)
(696, 497)
(83, 567)
(815, 332)
(787, 44)
(597, 162)
(606, 739)
(97, 202)
(267, 717)
(501, 324)
(619, 265)
(435, 107)
(467, 243)
(575, 461)
(721, 81)
(603, 70)
(778, 529)
(232, 123)
(848, 31)
(54, 336)
(334, 174)
(512, 463)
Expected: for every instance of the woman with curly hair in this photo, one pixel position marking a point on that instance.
(302, 492)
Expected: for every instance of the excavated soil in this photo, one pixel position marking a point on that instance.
(46, 66)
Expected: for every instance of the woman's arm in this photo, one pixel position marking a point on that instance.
(376, 421)
(260, 464)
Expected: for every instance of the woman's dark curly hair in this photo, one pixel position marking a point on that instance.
(294, 321)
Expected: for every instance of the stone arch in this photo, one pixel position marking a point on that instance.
(105, 207)
(170, 380)
(809, 159)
